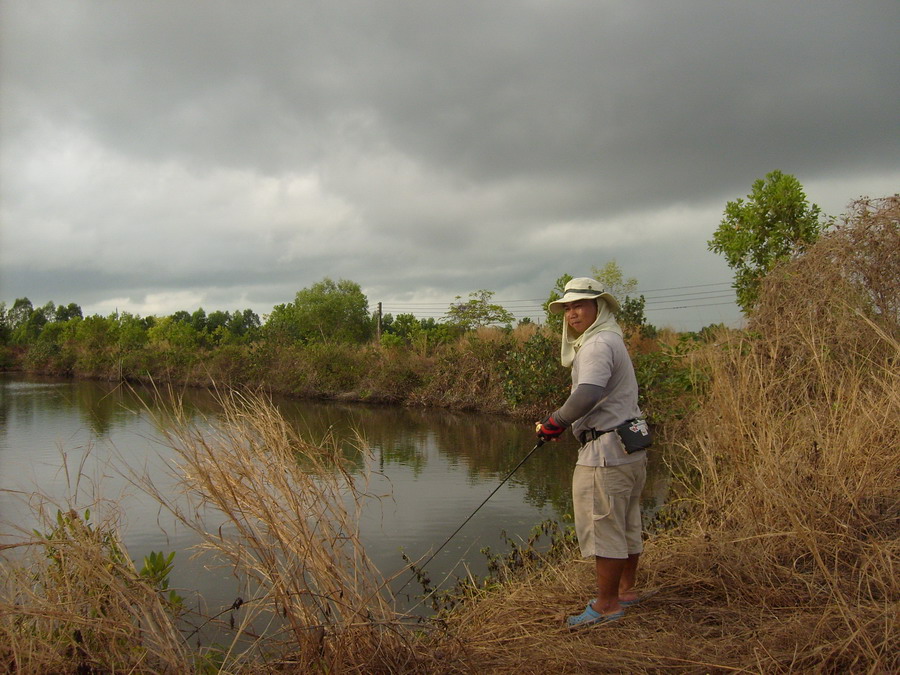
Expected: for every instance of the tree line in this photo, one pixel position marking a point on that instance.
(326, 343)
(326, 312)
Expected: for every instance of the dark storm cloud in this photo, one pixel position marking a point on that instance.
(245, 150)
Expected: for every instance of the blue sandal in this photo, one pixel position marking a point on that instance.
(639, 599)
(589, 617)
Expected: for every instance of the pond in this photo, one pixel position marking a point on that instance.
(436, 467)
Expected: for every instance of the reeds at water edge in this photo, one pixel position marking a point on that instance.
(290, 510)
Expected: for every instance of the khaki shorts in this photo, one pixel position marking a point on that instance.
(607, 502)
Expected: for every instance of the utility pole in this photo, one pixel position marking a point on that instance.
(378, 328)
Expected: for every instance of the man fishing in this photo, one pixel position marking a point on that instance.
(603, 412)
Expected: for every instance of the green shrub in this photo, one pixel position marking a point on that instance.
(668, 383)
(534, 379)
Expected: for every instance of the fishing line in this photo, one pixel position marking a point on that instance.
(463, 524)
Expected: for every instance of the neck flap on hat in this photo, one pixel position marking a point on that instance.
(605, 321)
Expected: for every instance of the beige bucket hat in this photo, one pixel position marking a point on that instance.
(583, 288)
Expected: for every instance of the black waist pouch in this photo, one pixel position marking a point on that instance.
(635, 435)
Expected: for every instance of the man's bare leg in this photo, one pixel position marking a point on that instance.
(609, 576)
(627, 580)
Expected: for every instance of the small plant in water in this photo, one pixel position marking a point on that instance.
(156, 569)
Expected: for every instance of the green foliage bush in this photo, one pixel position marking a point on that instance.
(534, 379)
(668, 383)
(336, 368)
(229, 364)
(492, 370)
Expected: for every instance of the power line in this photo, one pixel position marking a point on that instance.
(535, 304)
(534, 307)
(661, 298)
(712, 304)
(432, 305)
(678, 288)
(689, 299)
(537, 311)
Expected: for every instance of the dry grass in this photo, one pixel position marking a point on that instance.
(465, 377)
(291, 512)
(71, 600)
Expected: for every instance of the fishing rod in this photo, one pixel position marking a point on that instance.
(463, 524)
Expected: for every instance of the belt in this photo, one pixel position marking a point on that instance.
(592, 434)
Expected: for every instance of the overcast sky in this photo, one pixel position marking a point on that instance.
(159, 156)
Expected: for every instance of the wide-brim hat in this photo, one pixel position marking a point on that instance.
(583, 288)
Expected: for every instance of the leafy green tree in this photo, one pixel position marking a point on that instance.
(406, 329)
(242, 324)
(231, 327)
(51, 340)
(324, 312)
(555, 320)
(95, 338)
(334, 311)
(96, 333)
(403, 325)
(281, 324)
(132, 333)
(30, 321)
(387, 321)
(173, 334)
(19, 313)
(4, 324)
(631, 317)
(774, 223)
(614, 282)
(477, 311)
(217, 319)
(66, 312)
(429, 334)
(199, 320)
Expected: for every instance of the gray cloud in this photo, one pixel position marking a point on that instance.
(230, 154)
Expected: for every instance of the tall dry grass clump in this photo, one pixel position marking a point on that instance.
(290, 511)
(464, 375)
(794, 477)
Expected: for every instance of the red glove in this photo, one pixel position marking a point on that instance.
(549, 429)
